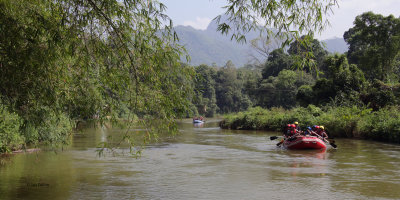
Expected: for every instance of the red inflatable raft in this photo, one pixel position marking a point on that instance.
(304, 142)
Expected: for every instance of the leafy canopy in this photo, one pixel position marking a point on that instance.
(90, 58)
(374, 44)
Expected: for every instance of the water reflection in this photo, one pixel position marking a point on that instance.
(308, 162)
(198, 125)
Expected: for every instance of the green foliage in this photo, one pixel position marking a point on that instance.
(379, 95)
(345, 77)
(374, 44)
(288, 17)
(383, 125)
(285, 19)
(69, 59)
(310, 49)
(344, 82)
(273, 119)
(305, 95)
(204, 85)
(282, 89)
(360, 122)
(54, 129)
(285, 85)
(342, 121)
(277, 61)
(323, 91)
(229, 90)
(15, 133)
(255, 118)
(354, 104)
(10, 123)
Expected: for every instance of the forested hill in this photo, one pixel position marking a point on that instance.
(336, 44)
(208, 46)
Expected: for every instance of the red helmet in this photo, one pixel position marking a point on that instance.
(317, 127)
(293, 125)
(288, 125)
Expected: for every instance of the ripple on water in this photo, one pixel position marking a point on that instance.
(209, 163)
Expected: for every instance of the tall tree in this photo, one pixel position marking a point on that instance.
(281, 90)
(312, 50)
(277, 61)
(374, 44)
(204, 86)
(344, 81)
(230, 97)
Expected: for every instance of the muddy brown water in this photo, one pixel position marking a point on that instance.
(204, 162)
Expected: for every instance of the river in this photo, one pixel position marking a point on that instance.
(204, 163)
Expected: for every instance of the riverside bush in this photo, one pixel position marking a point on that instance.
(359, 122)
(16, 133)
(383, 125)
(10, 123)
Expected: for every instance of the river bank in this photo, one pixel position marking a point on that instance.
(349, 122)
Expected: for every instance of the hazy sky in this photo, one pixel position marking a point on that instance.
(198, 13)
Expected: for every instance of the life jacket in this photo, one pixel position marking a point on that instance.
(293, 131)
(319, 132)
(323, 133)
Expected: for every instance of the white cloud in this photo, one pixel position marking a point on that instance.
(200, 23)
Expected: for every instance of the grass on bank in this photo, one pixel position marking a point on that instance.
(351, 122)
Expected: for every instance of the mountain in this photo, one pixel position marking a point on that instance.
(208, 47)
(335, 45)
(211, 47)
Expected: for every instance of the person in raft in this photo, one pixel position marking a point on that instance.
(298, 129)
(314, 130)
(289, 133)
(308, 131)
(286, 130)
(198, 118)
(292, 133)
(321, 132)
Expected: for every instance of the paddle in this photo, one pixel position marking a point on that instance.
(279, 143)
(332, 143)
(274, 137)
